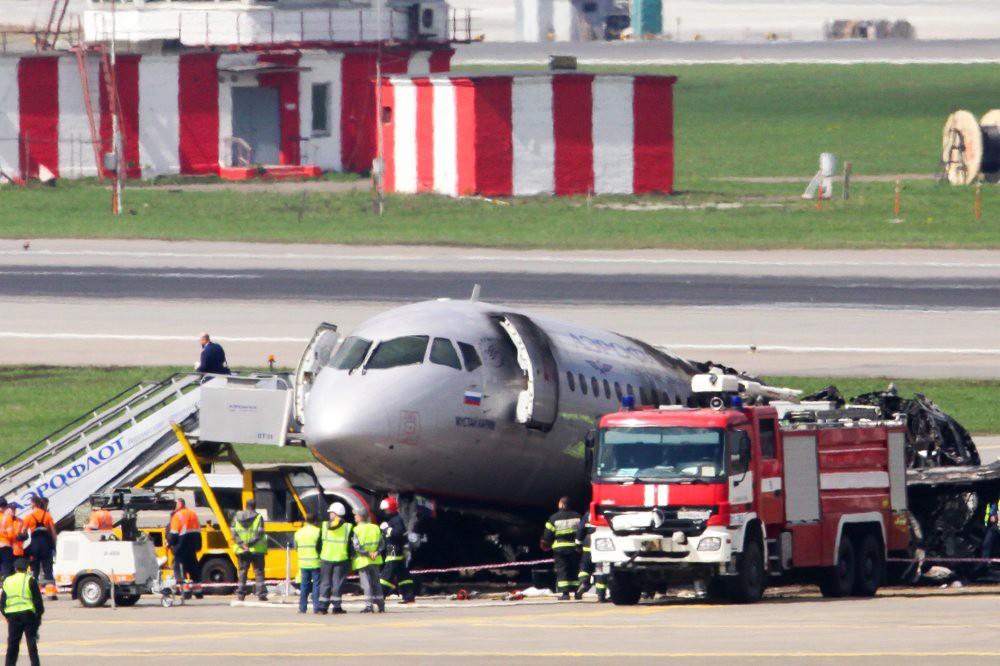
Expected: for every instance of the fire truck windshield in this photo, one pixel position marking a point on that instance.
(681, 453)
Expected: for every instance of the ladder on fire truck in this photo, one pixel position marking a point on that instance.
(109, 77)
(105, 448)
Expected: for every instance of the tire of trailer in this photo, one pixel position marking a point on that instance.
(748, 585)
(869, 566)
(623, 589)
(92, 592)
(838, 580)
(216, 570)
(126, 599)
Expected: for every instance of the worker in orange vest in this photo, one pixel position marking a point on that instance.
(184, 540)
(6, 542)
(15, 532)
(100, 520)
(41, 529)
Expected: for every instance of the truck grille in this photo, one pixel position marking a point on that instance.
(664, 521)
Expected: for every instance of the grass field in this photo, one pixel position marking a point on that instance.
(39, 400)
(731, 121)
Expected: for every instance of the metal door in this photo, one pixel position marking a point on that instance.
(538, 403)
(257, 121)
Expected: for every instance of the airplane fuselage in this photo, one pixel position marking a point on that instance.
(477, 402)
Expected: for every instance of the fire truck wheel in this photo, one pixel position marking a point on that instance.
(838, 580)
(748, 586)
(869, 567)
(623, 588)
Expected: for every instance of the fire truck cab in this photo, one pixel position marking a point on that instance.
(731, 497)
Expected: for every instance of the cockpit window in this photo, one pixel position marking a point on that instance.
(443, 353)
(351, 354)
(470, 356)
(408, 350)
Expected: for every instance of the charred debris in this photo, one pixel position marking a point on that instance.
(948, 487)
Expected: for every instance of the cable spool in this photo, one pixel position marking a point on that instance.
(990, 124)
(970, 148)
(962, 148)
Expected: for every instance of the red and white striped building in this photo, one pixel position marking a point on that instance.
(567, 133)
(177, 110)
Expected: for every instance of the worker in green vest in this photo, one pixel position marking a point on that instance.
(367, 545)
(334, 558)
(22, 606)
(250, 546)
(307, 545)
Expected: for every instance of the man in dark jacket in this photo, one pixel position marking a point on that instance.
(560, 538)
(395, 574)
(213, 357)
(587, 564)
(21, 604)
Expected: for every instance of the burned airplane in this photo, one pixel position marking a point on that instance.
(481, 411)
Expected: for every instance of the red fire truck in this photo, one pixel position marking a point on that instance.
(731, 498)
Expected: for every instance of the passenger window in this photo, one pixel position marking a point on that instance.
(607, 389)
(470, 356)
(408, 350)
(618, 391)
(629, 391)
(570, 380)
(351, 354)
(595, 387)
(642, 396)
(666, 398)
(583, 384)
(767, 437)
(442, 353)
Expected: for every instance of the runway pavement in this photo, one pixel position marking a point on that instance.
(908, 313)
(791, 626)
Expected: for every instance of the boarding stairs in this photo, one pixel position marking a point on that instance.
(106, 448)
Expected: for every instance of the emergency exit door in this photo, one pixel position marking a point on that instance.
(257, 120)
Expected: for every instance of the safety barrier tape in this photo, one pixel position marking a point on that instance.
(944, 559)
(474, 567)
(483, 567)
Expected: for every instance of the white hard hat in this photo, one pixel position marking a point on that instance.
(338, 508)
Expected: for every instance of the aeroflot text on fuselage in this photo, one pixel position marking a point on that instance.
(609, 348)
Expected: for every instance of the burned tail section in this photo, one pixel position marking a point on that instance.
(947, 488)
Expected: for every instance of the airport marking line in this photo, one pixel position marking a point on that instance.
(479, 654)
(755, 348)
(569, 258)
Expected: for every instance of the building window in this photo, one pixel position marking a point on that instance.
(321, 109)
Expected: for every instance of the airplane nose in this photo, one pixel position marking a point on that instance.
(343, 426)
(327, 412)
